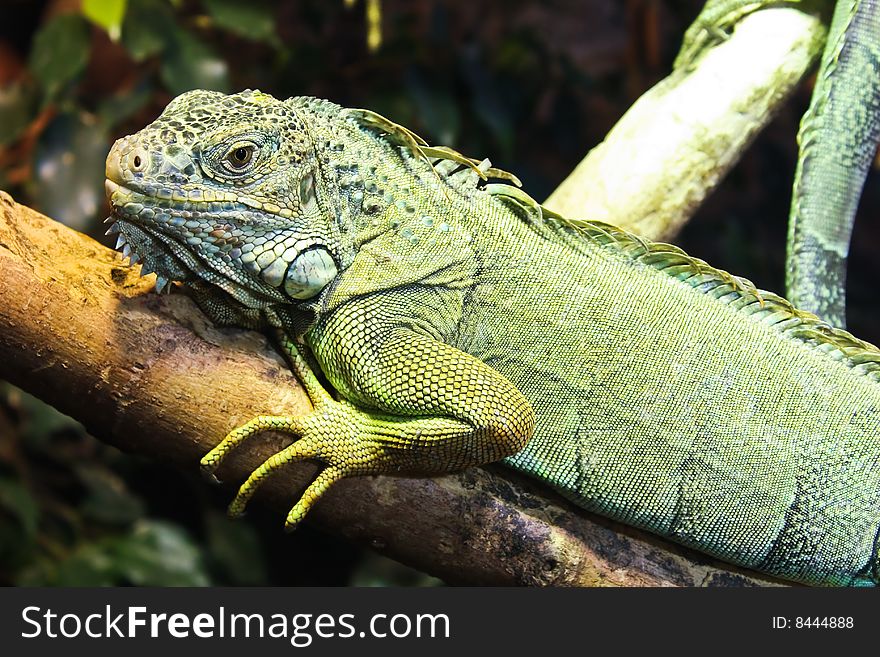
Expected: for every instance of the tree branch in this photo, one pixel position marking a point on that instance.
(679, 140)
(151, 375)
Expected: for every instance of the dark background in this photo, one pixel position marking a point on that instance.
(532, 85)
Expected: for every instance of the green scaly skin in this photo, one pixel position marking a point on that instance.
(838, 138)
(456, 322)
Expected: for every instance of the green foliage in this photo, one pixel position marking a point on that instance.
(60, 53)
(147, 28)
(106, 498)
(106, 13)
(232, 547)
(19, 521)
(69, 515)
(122, 106)
(17, 501)
(70, 155)
(252, 20)
(151, 30)
(190, 64)
(151, 553)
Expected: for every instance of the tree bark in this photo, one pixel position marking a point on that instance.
(151, 375)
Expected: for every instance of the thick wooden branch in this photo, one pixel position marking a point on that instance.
(151, 375)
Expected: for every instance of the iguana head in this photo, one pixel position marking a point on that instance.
(222, 189)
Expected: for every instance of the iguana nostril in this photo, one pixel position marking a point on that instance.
(124, 162)
(138, 160)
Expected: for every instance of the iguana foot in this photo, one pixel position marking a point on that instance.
(335, 433)
(420, 436)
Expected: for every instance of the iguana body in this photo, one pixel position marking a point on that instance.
(458, 324)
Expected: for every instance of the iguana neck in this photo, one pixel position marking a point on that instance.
(368, 181)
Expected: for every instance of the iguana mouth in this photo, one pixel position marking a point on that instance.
(182, 240)
(111, 187)
(153, 231)
(138, 242)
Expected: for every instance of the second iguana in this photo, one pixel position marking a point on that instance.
(439, 321)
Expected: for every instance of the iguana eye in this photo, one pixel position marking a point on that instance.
(239, 156)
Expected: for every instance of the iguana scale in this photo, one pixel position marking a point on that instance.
(439, 320)
(838, 139)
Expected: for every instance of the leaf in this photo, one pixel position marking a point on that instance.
(107, 14)
(236, 550)
(17, 499)
(119, 107)
(17, 110)
(154, 553)
(160, 554)
(148, 28)
(69, 169)
(108, 499)
(60, 52)
(251, 20)
(191, 64)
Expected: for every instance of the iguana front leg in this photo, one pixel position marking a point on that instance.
(423, 407)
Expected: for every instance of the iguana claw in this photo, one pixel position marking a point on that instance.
(334, 433)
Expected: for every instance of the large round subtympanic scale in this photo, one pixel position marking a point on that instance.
(309, 273)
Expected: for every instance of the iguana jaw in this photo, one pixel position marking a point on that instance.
(180, 244)
(185, 221)
(194, 244)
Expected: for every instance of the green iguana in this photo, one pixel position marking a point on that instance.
(440, 321)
